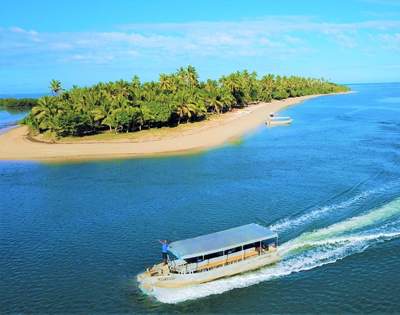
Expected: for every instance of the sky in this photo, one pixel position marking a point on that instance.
(84, 42)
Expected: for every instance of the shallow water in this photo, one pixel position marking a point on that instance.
(73, 236)
(9, 119)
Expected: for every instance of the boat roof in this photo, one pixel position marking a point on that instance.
(218, 241)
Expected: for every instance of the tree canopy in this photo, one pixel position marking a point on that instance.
(55, 86)
(17, 105)
(175, 98)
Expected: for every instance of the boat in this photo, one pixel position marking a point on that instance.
(213, 256)
(273, 120)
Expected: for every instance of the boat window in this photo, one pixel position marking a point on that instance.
(270, 242)
(233, 250)
(251, 245)
(194, 260)
(213, 255)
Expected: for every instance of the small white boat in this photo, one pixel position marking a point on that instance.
(273, 120)
(213, 256)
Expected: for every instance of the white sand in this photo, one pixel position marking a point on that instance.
(16, 145)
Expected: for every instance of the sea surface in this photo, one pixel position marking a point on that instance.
(10, 118)
(73, 236)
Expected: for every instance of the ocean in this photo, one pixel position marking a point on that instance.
(73, 236)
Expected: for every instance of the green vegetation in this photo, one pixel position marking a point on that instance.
(17, 104)
(55, 87)
(176, 98)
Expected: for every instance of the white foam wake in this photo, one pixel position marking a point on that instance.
(291, 223)
(308, 251)
(376, 216)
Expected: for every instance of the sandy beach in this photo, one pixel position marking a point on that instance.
(16, 144)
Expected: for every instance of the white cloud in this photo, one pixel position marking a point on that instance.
(15, 29)
(390, 41)
(271, 37)
(99, 58)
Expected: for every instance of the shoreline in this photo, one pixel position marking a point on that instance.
(17, 144)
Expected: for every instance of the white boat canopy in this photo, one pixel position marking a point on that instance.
(219, 241)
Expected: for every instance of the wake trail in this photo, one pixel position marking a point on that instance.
(305, 252)
(336, 196)
(295, 221)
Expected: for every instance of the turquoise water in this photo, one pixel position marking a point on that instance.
(9, 118)
(74, 235)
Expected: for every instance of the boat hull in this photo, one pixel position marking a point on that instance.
(172, 280)
(279, 122)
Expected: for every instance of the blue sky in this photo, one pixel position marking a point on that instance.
(83, 42)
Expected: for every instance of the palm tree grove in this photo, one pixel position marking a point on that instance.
(175, 98)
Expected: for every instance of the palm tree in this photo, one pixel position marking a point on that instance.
(44, 114)
(214, 103)
(266, 87)
(227, 99)
(188, 106)
(192, 76)
(55, 87)
(233, 83)
(188, 76)
(175, 98)
(168, 83)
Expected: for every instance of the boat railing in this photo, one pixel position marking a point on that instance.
(221, 261)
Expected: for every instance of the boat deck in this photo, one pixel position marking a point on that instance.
(230, 260)
(206, 266)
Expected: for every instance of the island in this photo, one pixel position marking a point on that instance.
(176, 114)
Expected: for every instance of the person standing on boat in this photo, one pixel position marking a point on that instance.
(164, 251)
